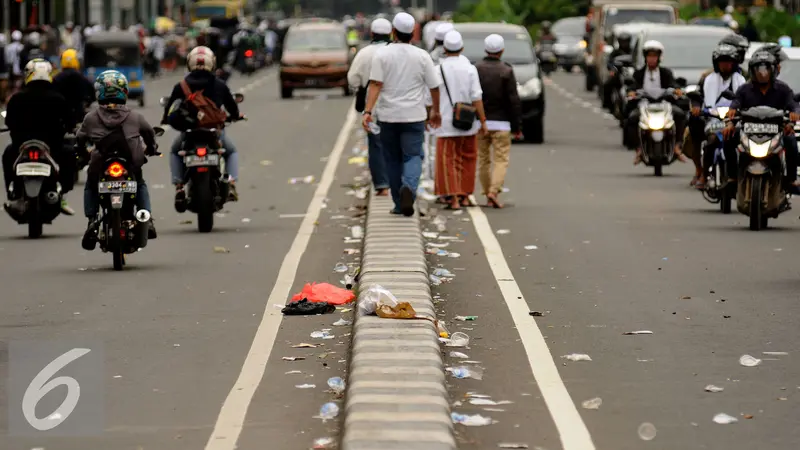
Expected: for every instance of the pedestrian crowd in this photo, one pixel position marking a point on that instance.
(404, 92)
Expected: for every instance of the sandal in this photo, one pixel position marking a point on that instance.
(493, 201)
(638, 158)
(466, 202)
(453, 204)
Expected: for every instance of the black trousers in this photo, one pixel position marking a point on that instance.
(65, 157)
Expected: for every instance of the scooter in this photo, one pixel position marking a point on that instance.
(717, 189)
(548, 60)
(657, 129)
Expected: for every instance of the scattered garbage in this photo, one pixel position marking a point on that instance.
(304, 345)
(293, 358)
(435, 281)
(536, 314)
(512, 445)
(724, 419)
(357, 232)
(329, 411)
(712, 388)
(340, 267)
(458, 339)
(336, 384)
(439, 272)
(402, 310)
(458, 355)
(577, 357)
(360, 160)
(647, 431)
(323, 443)
(593, 403)
(307, 308)
(476, 420)
(466, 372)
(466, 318)
(503, 231)
(374, 296)
(325, 293)
(775, 353)
(305, 386)
(454, 255)
(749, 361)
(442, 330)
(348, 281)
(221, 250)
(634, 333)
(488, 402)
(342, 323)
(302, 180)
(324, 334)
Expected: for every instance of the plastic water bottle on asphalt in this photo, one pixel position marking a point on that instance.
(329, 411)
(336, 384)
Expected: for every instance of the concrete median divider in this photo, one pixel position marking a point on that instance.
(396, 397)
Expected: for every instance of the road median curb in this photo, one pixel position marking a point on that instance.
(396, 397)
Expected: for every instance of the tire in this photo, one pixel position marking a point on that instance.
(533, 130)
(568, 68)
(286, 92)
(658, 169)
(756, 221)
(34, 224)
(141, 101)
(116, 243)
(204, 204)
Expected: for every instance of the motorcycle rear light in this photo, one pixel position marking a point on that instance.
(33, 155)
(248, 54)
(115, 170)
(202, 151)
(202, 169)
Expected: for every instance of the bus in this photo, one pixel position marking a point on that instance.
(208, 9)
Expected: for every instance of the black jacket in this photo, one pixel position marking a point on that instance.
(77, 90)
(500, 98)
(667, 78)
(38, 111)
(213, 88)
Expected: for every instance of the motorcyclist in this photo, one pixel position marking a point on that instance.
(112, 125)
(726, 77)
(76, 89)
(32, 50)
(545, 32)
(777, 51)
(742, 46)
(614, 81)
(38, 112)
(764, 89)
(653, 80)
(201, 63)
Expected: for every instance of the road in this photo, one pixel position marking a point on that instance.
(177, 325)
(618, 250)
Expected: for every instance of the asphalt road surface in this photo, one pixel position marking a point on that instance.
(181, 330)
(612, 249)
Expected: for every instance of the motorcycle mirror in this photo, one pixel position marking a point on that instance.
(163, 101)
(681, 82)
(728, 95)
(159, 131)
(238, 97)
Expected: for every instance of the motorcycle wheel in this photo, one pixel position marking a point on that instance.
(116, 242)
(658, 169)
(34, 224)
(756, 221)
(204, 201)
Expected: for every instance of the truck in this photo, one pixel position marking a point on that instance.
(607, 14)
(210, 9)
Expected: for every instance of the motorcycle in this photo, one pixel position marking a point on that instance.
(121, 227)
(248, 64)
(205, 180)
(760, 193)
(36, 177)
(717, 189)
(656, 130)
(547, 57)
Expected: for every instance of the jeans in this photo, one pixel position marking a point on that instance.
(91, 198)
(178, 169)
(731, 155)
(402, 147)
(377, 162)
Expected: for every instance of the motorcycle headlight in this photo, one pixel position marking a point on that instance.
(722, 111)
(656, 122)
(531, 89)
(759, 150)
(582, 44)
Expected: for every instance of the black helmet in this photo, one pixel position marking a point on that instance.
(723, 52)
(776, 50)
(624, 36)
(740, 42)
(759, 58)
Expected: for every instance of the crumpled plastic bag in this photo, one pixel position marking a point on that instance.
(403, 310)
(374, 297)
(324, 293)
(307, 308)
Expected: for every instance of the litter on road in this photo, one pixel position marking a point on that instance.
(340, 267)
(512, 445)
(328, 411)
(325, 293)
(503, 231)
(593, 403)
(342, 323)
(336, 384)
(293, 358)
(466, 372)
(724, 419)
(305, 386)
(457, 339)
(324, 334)
(531, 247)
(466, 318)
(304, 345)
(647, 431)
(306, 308)
(302, 180)
(577, 357)
(712, 388)
(459, 355)
(634, 333)
(749, 361)
(476, 420)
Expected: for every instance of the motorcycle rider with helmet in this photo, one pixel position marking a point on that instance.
(112, 125)
(74, 86)
(764, 89)
(545, 32)
(201, 63)
(614, 81)
(32, 49)
(777, 51)
(38, 112)
(726, 77)
(653, 79)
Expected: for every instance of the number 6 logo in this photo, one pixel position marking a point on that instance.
(39, 387)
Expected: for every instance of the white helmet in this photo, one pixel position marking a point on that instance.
(652, 46)
(34, 39)
(38, 70)
(201, 58)
(16, 36)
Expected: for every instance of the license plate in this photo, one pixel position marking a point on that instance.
(761, 128)
(196, 161)
(312, 82)
(715, 126)
(34, 169)
(117, 187)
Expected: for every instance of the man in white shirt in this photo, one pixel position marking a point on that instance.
(438, 46)
(400, 76)
(358, 77)
(456, 145)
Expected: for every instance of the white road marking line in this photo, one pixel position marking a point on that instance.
(234, 411)
(571, 428)
(291, 216)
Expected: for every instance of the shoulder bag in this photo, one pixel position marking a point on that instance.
(464, 114)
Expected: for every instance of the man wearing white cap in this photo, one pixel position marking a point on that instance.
(438, 47)
(462, 117)
(358, 76)
(400, 77)
(503, 117)
(13, 51)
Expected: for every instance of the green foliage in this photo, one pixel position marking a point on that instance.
(770, 22)
(524, 12)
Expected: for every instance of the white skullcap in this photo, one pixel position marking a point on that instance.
(494, 43)
(453, 41)
(16, 35)
(381, 26)
(442, 29)
(404, 23)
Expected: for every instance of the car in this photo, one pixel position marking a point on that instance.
(315, 56)
(520, 55)
(687, 48)
(709, 22)
(570, 47)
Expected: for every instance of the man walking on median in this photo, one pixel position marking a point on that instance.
(401, 75)
(461, 105)
(358, 76)
(503, 116)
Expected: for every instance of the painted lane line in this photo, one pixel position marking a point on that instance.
(571, 428)
(233, 413)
